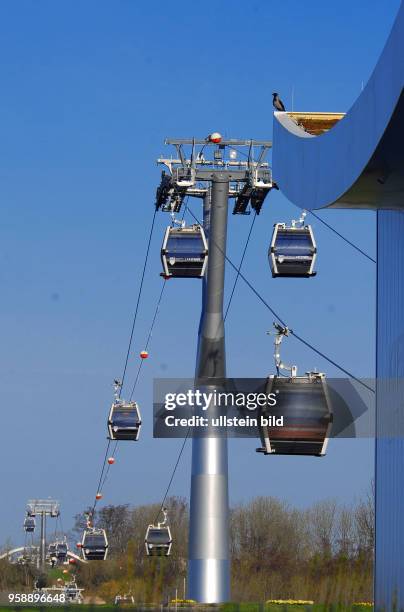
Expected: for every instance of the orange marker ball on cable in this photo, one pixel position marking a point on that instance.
(111, 460)
(98, 496)
(144, 354)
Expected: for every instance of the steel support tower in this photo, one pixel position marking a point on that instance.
(248, 182)
(43, 508)
(208, 564)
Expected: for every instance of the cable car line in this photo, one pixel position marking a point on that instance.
(173, 474)
(354, 246)
(102, 474)
(275, 314)
(105, 465)
(239, 268)
(114, 454)
(139, 296)
(149, 336)
(115, 448)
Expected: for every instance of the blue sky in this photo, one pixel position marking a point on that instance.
(88, 93)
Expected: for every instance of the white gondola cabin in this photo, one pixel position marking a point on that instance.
(94, 545)
(293, 251)
(29, 524)
(158, 541)
(124, 421)
(184, 253)
(304, 404)
(52, 550)
(61, 551)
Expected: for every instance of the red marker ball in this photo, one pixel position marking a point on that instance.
(98, 496)
(111, 460)
(215, 137)
(144, 355)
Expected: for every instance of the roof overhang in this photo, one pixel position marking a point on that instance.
(354, 160)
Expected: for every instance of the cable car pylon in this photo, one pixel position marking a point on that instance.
(215, 181)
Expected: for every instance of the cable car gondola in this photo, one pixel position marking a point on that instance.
(52, 550)
(61, 551)
(293, 250)
(29, 524)
(184, 253)
(94, 544)
(158, 540)
(304, 404)
(124, 421)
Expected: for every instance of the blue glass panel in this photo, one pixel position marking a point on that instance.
(293, 244)
(186, 246)
(124, 417)
(158, 537)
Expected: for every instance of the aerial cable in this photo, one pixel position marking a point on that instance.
(138, 297)
(354, 246)
(114, 454)
(185, 208)
(61, 524)
(105, 472)
(239, 267)
(102, 473)
(173, 474)
(305, 342)
(313, 348)
(149, 336)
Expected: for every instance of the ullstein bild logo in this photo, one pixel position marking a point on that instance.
(223, 421)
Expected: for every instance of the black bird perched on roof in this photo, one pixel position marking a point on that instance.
(277, 102)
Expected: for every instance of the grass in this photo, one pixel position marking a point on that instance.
(230, 607)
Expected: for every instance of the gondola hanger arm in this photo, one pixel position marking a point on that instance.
(281, 332)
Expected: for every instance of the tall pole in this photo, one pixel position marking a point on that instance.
(208, 565)
(43, 539)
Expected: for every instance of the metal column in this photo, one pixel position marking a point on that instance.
(389, 456)
(209, 566)
(43, 540)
